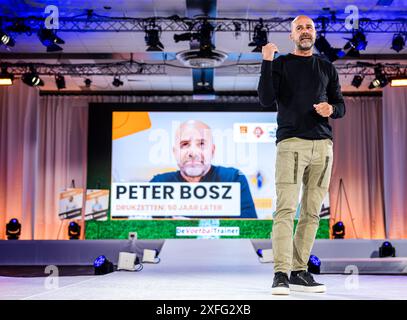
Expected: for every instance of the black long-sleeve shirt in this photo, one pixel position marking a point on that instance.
(294, 84)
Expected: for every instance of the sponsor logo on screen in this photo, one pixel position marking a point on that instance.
(254, 132)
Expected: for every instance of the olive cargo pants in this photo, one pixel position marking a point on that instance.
(307, 162)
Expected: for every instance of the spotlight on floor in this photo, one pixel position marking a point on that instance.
(6, 78)
(74, 231)
(357, 80)
(32, 79)
(50, 40)
(387, 250)
(314, 264)
(102, 265)
(338, 230)
(151, 256)
(6, 40)
(13, 229)
(60, 81)
(265, 255)
(260, 37)
(398, 42)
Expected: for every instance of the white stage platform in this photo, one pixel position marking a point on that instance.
(200, 269)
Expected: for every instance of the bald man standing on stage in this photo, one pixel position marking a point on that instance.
(305, 89)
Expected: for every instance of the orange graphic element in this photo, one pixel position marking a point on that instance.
(243, 129)
(127, 123)
(263, 203)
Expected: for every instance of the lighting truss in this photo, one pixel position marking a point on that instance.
(83, 70)
(98, 23)
(366, 69)
(134, 68)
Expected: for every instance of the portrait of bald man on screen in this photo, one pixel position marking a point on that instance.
(194, 150)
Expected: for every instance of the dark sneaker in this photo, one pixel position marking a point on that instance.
(280, 284)
(304, 282)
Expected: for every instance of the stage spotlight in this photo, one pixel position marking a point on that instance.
(87, 82)
(60, 81)
(265, 255)
(260, 38)
(380, 80)
(314, 264)
(355, 44)
(6, 40)
(324, 47)
(338, 230)
(152, 37)
(13, 229)
(188, 36)
(32, 79)
(203, 36)
(50, 40)
(398, 42)
(238, 28)
(6, 79)
(74, 231)
(357, 80)
(387, 250)
(102, 265)
(117, 82)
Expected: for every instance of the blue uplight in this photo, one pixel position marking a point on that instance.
(315, 260)
(99, 261)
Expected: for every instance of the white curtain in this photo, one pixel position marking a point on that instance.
(43, 147)
(18, 140)
(61, 158)
(358, 162)
(395, 161)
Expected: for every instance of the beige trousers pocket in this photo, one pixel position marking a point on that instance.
(287, 167)
(325, 177)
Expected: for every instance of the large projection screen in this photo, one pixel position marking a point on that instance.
(185, 171)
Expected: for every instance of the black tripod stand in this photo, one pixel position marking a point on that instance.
(339, 202)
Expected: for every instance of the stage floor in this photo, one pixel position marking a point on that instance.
(236, 284)
(195, 270)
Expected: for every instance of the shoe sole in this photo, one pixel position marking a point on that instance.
(280, 291)
(316, 289)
